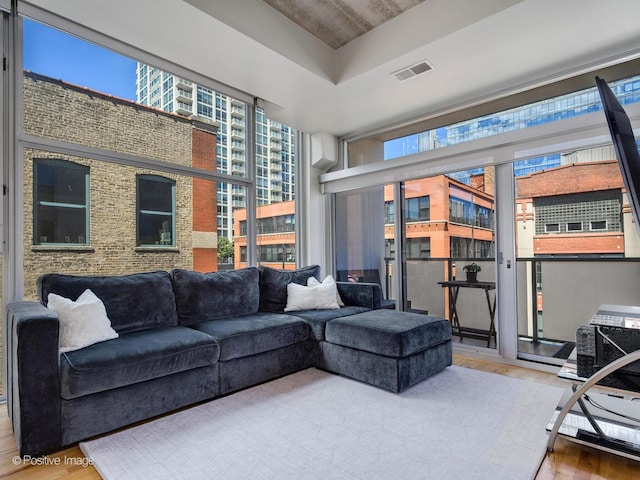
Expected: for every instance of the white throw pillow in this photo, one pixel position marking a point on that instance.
(313, 282)
(83, 322)
(322, 296)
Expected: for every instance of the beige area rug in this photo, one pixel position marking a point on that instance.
(460, 424)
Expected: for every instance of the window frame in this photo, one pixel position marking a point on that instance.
(140, 212)
(60, 163)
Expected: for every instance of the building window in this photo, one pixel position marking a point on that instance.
(468, 213)
(279, 224)
(417, 209)
(471, 248)
(61, 202)
(156, 211)
(280, 253)
(389, 213)
(418, 248)
(600, 225)
(574, 226)
(552, 227)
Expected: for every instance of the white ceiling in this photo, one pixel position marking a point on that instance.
(479, 50)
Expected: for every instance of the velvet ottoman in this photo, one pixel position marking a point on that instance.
(386, 348)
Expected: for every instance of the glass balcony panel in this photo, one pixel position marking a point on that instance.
(577, 248)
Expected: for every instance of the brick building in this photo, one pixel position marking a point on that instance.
(88, 216)
(575, 209)
(444, 217)
(276, 239)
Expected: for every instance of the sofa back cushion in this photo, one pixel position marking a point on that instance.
(133, 302)
(273, 285)
(210, 296)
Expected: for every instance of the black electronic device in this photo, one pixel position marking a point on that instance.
(612, 333)
(625, 146)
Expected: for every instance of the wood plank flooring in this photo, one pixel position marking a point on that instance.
(568, 462)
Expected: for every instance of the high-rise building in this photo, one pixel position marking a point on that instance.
(274, 142)
(531, 115)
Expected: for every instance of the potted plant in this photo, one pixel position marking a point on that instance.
(472, 271)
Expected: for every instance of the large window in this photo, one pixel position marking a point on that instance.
(468, 213)
(279, 224)
(417, 248)
(61, 206)
(417, 209)
(280, 254)
(156, 211)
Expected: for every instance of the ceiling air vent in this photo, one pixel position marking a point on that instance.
(412, 71)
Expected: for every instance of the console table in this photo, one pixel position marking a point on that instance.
(608, 420)
(454, 287)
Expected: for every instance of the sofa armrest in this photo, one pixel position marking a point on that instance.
(32, 375)
(360, 294)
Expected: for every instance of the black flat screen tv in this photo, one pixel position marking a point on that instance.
(626, 148)
(624, 144)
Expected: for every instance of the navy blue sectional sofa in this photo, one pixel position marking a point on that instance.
(184, 337)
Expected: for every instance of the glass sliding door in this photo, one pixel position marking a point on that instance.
(448, 223)
(365, 243)
(577, 248)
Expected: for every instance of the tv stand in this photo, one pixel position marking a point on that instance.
(615, 427)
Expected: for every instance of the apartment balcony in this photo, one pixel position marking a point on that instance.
(237, 169)
(555, 296)
(236, 102)
(184, 108)
(237, 111)
(237, 134)
(275, 165)
(183, 83)
(239, 192)
(237, 122)
(184, 95)
(238, 146)
(275, 133)
(275, 146)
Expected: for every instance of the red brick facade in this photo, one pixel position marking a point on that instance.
(203, 156)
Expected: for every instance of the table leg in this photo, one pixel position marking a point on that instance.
(492, 316)
(453, 299)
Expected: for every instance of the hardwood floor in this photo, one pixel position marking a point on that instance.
(568, 462)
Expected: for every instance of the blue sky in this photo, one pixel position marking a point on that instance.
(64, 57)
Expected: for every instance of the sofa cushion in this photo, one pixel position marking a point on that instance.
(389, 333)
(208, 296)
(317, 319)
(82, 322)
(133, 302)
(273, 285)
(135, 357)
(318, 297)
(261, 332)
